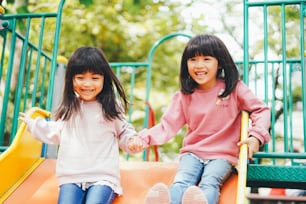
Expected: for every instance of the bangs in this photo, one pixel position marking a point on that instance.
(202, 49)
(87, 66)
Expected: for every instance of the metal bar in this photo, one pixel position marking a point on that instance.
(285, 101)
(303, 66)
(19, 87)
(245, 42)
(280, 155)
(27, 82)
(274, 2)
(8, 82)
(54, 55)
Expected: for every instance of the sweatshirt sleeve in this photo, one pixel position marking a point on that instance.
(125, 132)
(171, 122)
(45, 131)
(258, 111)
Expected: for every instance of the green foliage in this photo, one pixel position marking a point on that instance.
(22, 9)
(87, 3)
(297, 94)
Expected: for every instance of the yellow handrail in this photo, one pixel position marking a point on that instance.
(243, 159)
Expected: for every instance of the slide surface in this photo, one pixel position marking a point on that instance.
(28, 178)
(137, 177)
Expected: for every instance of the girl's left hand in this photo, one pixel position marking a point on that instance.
(22, 116)
(253, 145)
(135, 144)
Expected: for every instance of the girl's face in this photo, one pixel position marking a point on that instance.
(88, 85)
(203, 70)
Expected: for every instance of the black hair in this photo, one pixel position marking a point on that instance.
(92, 59)
(209, 45)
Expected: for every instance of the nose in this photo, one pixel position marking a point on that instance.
(200, 64)
(83, 82)
(87, 82)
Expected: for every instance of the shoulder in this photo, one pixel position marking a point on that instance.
(241, 84)
(241, 87)
(180, 96)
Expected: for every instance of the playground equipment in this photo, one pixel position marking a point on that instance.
(268, 169)
(21, 58)
(277, 79)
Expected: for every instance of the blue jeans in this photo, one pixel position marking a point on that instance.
(208, 175)
(95, 194)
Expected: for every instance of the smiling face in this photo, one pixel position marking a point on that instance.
(203, 70)
(88, 85)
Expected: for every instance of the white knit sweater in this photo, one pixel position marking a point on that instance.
(88, 145)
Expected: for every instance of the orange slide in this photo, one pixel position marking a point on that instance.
(29, 179)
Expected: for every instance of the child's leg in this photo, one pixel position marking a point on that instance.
(100, 194)
(216, 172)
(188, 174)
(71, 194)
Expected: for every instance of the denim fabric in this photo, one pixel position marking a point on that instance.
(209, 175)
(95, 194)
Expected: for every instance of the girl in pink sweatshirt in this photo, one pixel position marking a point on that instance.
(210, 103)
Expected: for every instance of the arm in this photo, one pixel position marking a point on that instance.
(129, 141)
(45, 131)
(171, 122)
(260, 119)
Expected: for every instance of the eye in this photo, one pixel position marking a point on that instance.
(96, 77)
(209, 58)
(79, 77)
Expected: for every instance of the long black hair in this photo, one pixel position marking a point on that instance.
(209, 45)
(93, 60)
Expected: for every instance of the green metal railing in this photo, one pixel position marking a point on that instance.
(26, 70)
(278, 78)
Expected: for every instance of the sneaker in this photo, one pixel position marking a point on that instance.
(194, 195)
(158, 194)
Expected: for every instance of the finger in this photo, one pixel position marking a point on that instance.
(242, 142)
(21, 116)
(250, 154)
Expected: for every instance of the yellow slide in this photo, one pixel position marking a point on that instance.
(28, 178)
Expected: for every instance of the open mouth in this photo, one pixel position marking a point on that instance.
(201, 74)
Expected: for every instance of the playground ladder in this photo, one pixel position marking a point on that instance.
(275, 80)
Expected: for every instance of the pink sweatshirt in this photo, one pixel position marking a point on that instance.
(88, 145)
(213, 123)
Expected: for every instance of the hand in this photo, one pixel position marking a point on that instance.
(25, 117)
(135, 144)
(22, 116)
(253, 145)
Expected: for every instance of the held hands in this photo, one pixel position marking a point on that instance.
(253, 145)
(135, 144)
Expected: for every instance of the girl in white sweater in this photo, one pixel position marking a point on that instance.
(89, 128)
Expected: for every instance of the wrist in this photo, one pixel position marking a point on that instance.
(255, 138)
